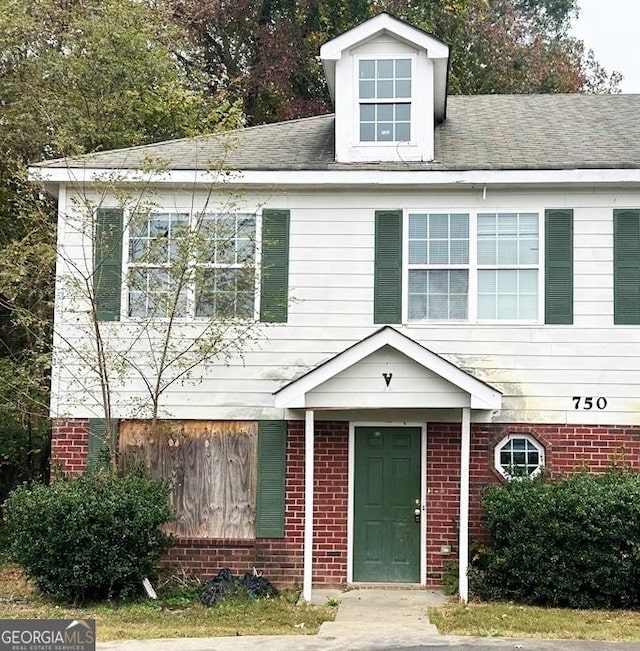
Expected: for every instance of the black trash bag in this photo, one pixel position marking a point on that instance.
(257, 586)
(221, 585)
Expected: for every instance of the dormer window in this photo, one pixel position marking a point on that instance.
(388, 82)
(384, 90)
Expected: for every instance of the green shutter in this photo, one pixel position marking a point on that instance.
(387, 293)
(626, 267)
(97, 445)
(274, 284)
(107, 263)
(558, 278)
(272, 457)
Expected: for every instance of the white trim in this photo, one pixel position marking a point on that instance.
(463, 543)
(340, 178)
(423, 491)
(350, 498)
(481, 395)
(384, 23)
(60, 276)
(423, 504)
(518, 435)
(307, 581)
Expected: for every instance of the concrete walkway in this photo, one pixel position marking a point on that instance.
(368, 620)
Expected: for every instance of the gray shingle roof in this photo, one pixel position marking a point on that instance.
(482, 132)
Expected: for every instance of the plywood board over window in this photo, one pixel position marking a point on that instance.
(211, 467)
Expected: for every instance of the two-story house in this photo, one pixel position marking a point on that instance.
(443, 291)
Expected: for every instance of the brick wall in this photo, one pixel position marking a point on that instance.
(567, 449)
(69, 444)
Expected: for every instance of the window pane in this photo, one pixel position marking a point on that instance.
(367, 69)
(486, 306)
(486, 251)
(438, 251)
(367, 89)
(459, 251)
(487, 281)
(403, 88)
(403, 132)
(385, 68)
(417, 226)
(438, 307)
(459, 225)
(385, 112)
(384, 132)
(384, 89)
(367, 112)
(367, 133)
(508, 282)
(439, 226)
(417, 308)
(417, 252)
(403, 68)
(403, 112)
(507, 251)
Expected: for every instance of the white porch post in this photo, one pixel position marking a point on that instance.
(463, 546)
(308, 505)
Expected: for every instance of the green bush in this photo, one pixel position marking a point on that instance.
(572, 542)
(88, 537)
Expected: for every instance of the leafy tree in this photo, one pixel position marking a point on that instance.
(262, 52)
(75, 76)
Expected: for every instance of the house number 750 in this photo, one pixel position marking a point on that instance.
(589, 402)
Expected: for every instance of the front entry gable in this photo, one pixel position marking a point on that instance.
(387, 370)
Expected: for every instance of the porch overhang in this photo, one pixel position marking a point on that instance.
(387, 369)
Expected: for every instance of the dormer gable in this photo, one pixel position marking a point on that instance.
(388, 83)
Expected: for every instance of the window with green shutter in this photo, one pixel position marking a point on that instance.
(272, 456)
(387, 294)
(558, 299)
(107, 263)
(626, 267)
(274, 276)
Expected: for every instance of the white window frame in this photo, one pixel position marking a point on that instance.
(473, 267)
(510, 437)
(391, 100)
(190, 315)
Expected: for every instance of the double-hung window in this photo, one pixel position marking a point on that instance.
(384, 95)
(473, 267)
(185, 265)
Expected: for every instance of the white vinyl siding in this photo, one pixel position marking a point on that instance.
(538, 367)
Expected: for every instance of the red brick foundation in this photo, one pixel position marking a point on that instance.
(69, 446)
(567, 449)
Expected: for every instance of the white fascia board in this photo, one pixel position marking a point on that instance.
(343, 177)
(482, 395)
(435, 48)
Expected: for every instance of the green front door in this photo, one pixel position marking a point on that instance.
(386, 536)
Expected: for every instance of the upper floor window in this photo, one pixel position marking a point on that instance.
(384, 93)
(473, 267)
(199, 265)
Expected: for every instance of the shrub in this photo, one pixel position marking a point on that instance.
(88, 537)
(572, 542)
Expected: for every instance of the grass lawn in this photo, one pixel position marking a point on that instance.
(177, 613)
(510, 620)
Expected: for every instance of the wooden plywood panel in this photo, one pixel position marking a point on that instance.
(211, 467)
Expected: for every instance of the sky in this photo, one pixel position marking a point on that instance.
(611, 29)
